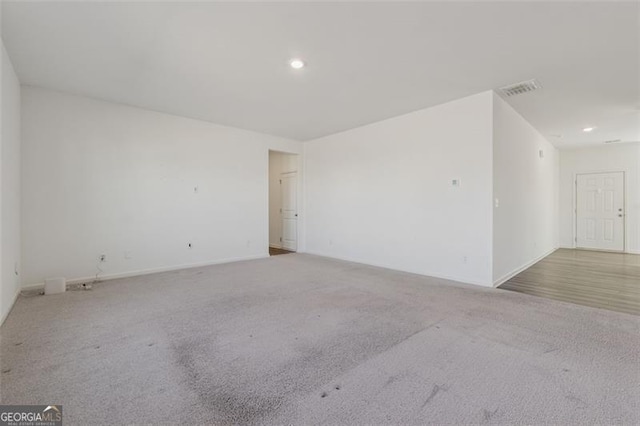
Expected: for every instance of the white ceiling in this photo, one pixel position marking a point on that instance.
(228, 62)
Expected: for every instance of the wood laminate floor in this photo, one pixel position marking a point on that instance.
(598, 279)
(276, 251)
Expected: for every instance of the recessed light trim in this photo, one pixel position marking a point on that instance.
(297, 64)
(588, 129)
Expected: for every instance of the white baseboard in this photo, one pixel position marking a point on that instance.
(425, 274)
(13, 302)
(516, 271)
(150, 271)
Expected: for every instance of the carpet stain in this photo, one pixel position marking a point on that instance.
(324, 395)
(580, 403)
(390, 380)
(229, 403)
(436, 389)
(241, 409)
(487, 415)
(8, 370)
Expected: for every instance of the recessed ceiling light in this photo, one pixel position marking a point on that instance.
(588, 129)
(296, 64)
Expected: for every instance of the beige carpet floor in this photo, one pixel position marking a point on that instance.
(300, 339)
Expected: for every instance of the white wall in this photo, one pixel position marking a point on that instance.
(10, 266)
(279, 163)
(606, 158)
(102, 178)
(381, 194)
(525, 224)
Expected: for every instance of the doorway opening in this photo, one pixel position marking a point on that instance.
(600, 211)
(283, 202)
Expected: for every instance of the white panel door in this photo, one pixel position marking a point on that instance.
(289, 187)
(600, 211)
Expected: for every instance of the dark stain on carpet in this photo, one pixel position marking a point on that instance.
(229, 403)
(436, 389)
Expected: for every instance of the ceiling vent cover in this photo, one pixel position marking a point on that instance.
(520, 88)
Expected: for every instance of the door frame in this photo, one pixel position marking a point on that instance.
(624, 209)
(301, 242)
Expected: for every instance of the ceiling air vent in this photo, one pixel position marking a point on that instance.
(520, 88)
(613, 141)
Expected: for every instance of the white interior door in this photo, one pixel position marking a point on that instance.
(600, 211)
(289, 188)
